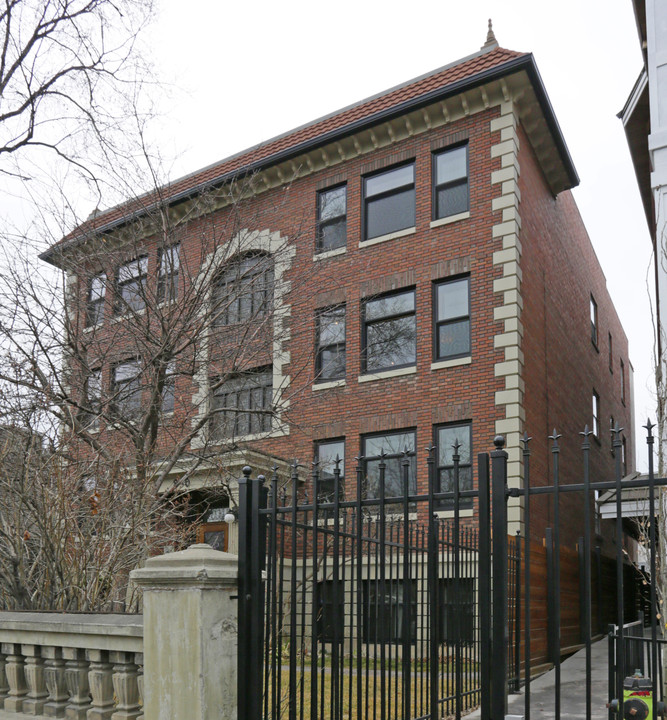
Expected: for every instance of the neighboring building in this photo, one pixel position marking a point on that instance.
(645, 121)
(432, 282)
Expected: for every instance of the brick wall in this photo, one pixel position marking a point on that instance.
(563, 366)
(428, 397)
(560, 272)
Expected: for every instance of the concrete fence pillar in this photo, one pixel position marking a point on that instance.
(190, 634)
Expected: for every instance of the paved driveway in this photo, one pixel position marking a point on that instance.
(573, 689)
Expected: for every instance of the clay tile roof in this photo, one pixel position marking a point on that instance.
(462, 70)
(363, 110)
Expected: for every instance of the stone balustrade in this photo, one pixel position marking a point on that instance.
(91, 667)
(74, 666)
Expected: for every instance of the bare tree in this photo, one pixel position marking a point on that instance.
(70, 536)
(71, 83)
(166, 347)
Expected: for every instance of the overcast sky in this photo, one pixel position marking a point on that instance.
(244, 72)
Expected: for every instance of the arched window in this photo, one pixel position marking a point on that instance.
(243, 290)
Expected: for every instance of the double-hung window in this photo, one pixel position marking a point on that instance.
(622, 373)
(327, 452)
(452, 318)
(243, 290)
(447, 437)
(450, 182)
(332, 218)
(331, 611)
(390, 448)
(168, 267)
(95, 304)
(131, 286)
(93, 399)
(169, 388)
(594, 322)
(126, 389)
(389, 332)
(624, 457)
(330, 363)
(389, 201)
(390, 610)
(242, 405)
(457, 610)
(596, 415)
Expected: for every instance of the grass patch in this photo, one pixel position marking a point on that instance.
(337, 695)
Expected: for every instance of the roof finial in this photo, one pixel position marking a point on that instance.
(491, 42)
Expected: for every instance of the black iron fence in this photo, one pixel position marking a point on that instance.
(373, 607)
(626, 599)
(384, 607)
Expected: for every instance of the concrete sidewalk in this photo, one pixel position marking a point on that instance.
(572, 690)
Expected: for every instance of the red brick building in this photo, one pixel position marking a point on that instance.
(410, 270)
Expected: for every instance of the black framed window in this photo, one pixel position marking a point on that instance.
(243, 290)
(97, 287)
(597, 513)
(389, 201)
(169, 388)
(457, 610)
(446, 437)
(594, 322)
(389, 332)
(332, 218)
(131, 286)
(393, 446)
(242, 405)
(126, 389)
(452, 318)
(93, 399)
(330, 363)
(168, 268)
(611, 354)
(596, 414)
(624, 456)
(450, 182)
(331, 611)
(622, 382)
(385, 605)
(326, 452)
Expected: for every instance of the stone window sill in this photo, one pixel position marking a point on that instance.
(389, 236)
(454, 362)
(330, 253)
(329, 384)
(450, 219)
(384, 374)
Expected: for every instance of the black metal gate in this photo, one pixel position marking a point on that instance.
(628, 641)
(379, 607)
